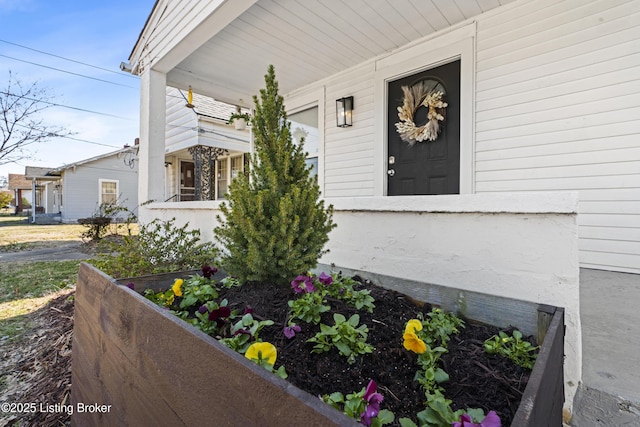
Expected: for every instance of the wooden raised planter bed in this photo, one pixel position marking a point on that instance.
(142, 365)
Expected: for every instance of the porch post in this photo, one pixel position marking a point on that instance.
(33, 200)
(152, 135)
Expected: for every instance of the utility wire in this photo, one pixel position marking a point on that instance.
(65, 106)
(68, 72)
(70, 60)
(55, 135)
(88, 142)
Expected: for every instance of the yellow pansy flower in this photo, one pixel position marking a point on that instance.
(177, 287)
(262, 352)
(413, 343)
(413, 325)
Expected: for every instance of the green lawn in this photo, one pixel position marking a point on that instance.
(27, 286)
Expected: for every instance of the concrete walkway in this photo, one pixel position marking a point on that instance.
(610, 314)
(65, 251)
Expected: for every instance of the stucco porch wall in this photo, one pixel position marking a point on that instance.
(515, 245)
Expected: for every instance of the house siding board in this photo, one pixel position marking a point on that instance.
(557, 101)
(173, 23)
(81, 188)
(557, 107)
(349, 151)
(181, 121)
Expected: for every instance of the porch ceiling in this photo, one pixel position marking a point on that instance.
(307, 41)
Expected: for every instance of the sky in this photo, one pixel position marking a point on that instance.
(99, 103)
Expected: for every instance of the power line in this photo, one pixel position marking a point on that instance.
(68, 72)
(65, 106)
(68, 59)
(88, 142)
(56, 135)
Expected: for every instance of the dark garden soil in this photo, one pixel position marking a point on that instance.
(477, 380)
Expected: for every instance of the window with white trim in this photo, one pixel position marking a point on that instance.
(304, 125)
(108, 190)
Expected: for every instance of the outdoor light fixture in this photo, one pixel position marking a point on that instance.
(190, 98)
(344, 112)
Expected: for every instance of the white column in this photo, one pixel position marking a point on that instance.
(152, 136)
(33, 200)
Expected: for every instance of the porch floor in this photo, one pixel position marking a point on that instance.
(610, 393)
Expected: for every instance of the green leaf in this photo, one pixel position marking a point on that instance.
(440, 376)
(406, 422)
(337, 397)
(476, 414)
(429, 374)
(282, 373)
(327, 330)
(429, 417)
(339, 318)
(385, 417)
(354, 320)
(343, 348)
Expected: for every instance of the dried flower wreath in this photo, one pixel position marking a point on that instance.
(414, 97)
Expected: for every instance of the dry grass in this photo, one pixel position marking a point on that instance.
(16, 234)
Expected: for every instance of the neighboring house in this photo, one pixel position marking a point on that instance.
(535, 169)
(21, 189)
(202, 153)
(77, 190)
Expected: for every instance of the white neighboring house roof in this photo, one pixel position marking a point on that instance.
(212, 124)
(126, 149)
(54, 173)
(205, 106)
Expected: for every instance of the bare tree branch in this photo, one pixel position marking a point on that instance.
(20, 120)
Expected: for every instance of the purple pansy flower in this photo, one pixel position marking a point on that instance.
(373, 399)
(208, 271)
(303, 284)
(325, 279)
(244, 331)
(248, 310)
(290, 331)
(131, 286)
(202, 309)
(219, 315)
(491, 420)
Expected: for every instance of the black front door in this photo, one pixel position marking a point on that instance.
(426, 167)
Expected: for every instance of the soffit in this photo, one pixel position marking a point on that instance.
(308, 41)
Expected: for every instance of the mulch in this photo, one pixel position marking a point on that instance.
(477, 379)
(38, 368)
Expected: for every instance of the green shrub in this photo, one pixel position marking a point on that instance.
(5, 199)
(160, 247)
(98, 223)
(275, 225)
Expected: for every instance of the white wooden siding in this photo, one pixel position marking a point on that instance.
(181, 121)
(349, 151)
(169, 25)
(557, 108)
(81, 190)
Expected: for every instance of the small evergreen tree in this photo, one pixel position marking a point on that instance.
(275, 225)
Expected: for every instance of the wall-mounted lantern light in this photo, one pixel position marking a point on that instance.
(344, 112)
